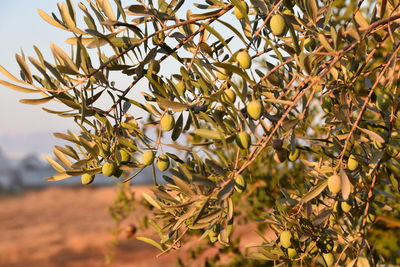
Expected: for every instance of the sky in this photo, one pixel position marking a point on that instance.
(26, 128)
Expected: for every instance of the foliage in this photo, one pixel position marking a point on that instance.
(314, 84)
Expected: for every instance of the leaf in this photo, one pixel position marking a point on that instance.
(315, 191)
(346, 185)
(62, 56)
(207, 134)
(151, 201)
(325, 43)
(176, 106)
(216, 34)
(62, 157)
(9, 75)
(312, 9)
(18, 88)
(58, 177)
(236, 70)
(36, 101)
(226, 191)
(359, 18)
(177, 129)
(50, 20)
(372, 135)
(151, 242)
(106, 7)
(321, 218)
(55, 164)
(24, 68)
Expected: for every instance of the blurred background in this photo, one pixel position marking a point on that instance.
(42, 223)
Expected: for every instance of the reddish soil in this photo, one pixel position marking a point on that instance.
(70, 226)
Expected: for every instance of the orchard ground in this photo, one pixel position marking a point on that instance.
(70, 226)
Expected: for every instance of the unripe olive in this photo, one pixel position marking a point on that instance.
(254, 109)
(238, 13)
(329, 259)
(228, 96)
(293, 156)
(109, 168)
(240, 183)
(286, 239)
(346, 206)
(148, 158)
(163, 162)
(335, 183)
(125, 156)
(352, 163)
(310, 44)
(244, 59)
(87, 178)
(243, 140)
(277, 24)
(167, 122)
(383, 101)
(223, 74)
(292, 253)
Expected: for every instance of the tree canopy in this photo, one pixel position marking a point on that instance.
(280, 113)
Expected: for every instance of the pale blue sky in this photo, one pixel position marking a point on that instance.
(21, 27)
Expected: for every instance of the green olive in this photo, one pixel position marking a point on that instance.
(243, 140)
(335, 184)
(254, 109)
(278, 25)
(87, 178)
(148, 158)
(109, 168)
(286, 239)
(167, 122)
(228, 96)
(163, 162)
(244, 59)
(352, 163)
(238, 12)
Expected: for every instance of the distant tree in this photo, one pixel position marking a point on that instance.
(283, 113)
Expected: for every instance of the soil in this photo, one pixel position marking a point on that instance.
(70, 226)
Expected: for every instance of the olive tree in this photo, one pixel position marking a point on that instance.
(280, 113)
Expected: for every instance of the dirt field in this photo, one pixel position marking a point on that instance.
(66, 227)
(70, 227)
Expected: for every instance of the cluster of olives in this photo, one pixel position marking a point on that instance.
(325, 245)
(277, 23)
(349, 207)
(163, 161)
(109, 168)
